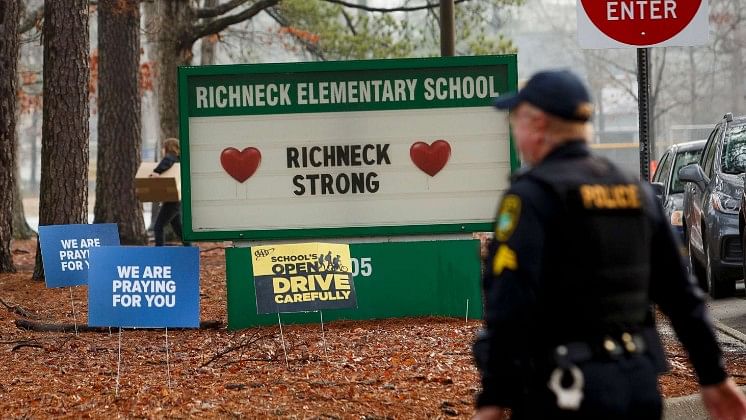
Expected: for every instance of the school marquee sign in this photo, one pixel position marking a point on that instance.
(358, 148)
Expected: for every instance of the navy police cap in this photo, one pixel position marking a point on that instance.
(557, 92)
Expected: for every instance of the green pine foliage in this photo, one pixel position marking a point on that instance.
(332, 32)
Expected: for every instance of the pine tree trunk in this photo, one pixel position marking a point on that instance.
(119, 125)
(173, 50)
(152, 23)
(64, 150)
(9, 15)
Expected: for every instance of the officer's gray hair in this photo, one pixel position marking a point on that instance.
(560, 131)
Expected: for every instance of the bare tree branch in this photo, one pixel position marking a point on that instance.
(309, 46)
(659, 78)
(33, 344)
(26, 324)
(218, 25)
(613, 64)
(389, 9)
(211, 12)
(662, 110)
(17, 309)
(255, 337)
(348, 21)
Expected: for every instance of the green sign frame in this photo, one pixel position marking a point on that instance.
(504, 68)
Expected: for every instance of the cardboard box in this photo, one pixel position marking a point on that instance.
(166, 187)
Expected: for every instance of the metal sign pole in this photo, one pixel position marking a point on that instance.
(643, 101)
(323, 338)
(282, 338)
(168, 365)
(119, 361)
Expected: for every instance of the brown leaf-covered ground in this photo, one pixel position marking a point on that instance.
(378, 369)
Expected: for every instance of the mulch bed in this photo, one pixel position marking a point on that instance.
(378, 369)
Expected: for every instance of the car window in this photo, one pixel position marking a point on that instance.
(710, 149)
(734, 153)
(682, 159)
(666, 170)
(659, 170)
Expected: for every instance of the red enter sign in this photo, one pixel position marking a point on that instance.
(641, 22)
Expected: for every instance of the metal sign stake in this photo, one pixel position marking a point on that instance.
(282, 338)
(119, 361)
(323, 337)
(72, 302)
(168, 366)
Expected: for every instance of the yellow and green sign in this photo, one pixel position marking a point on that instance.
(302, 277)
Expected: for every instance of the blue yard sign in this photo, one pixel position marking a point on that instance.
(144, 287)
(65, 250)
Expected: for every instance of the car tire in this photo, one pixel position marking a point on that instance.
(717, 286)
(696, 269)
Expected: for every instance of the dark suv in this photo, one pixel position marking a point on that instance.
(712, 201)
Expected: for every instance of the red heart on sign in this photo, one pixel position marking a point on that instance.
(430, 158)
(240, 164)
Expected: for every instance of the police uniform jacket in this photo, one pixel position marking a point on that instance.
(581, 250)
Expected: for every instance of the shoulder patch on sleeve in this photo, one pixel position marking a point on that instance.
(505, 258)
(507, 217)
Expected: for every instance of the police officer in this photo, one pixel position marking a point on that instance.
(581, 251)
